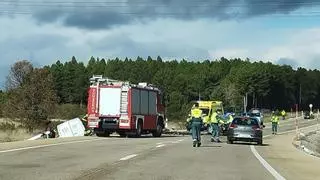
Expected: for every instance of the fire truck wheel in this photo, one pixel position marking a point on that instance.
(123, 134)
(139, 129)
(105, 134)
(158, 132)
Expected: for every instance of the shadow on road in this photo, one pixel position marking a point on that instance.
(142, 137)
(247, 143)
(210, 146)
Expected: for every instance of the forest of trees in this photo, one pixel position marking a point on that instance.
(60, 90)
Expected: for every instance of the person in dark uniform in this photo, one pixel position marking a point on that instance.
(196, 123)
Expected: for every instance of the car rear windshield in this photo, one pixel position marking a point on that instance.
(255, 114)
(245, 121)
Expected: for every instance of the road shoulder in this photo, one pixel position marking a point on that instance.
(286, 159)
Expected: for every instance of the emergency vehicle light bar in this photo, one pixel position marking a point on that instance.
(100, 80)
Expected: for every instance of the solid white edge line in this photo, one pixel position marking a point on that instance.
(48, 145)
(266, 164)
(128, 157)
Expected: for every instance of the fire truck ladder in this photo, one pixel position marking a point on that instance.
(124, 101)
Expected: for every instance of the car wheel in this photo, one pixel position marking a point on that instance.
(229, 141)
(260, 142)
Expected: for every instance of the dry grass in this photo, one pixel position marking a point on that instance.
(14, 135)
(12, 131)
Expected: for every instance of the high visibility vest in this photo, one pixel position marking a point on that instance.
(230, 119)
(214, 118)
(283, 113)
(274, 119)
(196, 113)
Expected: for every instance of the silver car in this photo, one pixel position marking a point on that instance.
(258, 114)
(246, 129)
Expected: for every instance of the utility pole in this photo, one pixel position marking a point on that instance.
(296, 123)
(245, 102)
(300, 98)
(318, 120)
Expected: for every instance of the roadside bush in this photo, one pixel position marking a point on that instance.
(6, 126)
(69, 111)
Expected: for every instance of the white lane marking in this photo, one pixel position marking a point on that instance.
(160, 145)
(128, 157)
(49, 145)
(266, 164)
(175, 142)
(178, 141)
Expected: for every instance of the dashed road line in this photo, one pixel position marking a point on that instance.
(178, 141)
(175, 142)
(160, 145)
(128, 157)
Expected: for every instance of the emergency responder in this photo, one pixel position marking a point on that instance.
(283, 114)
(230, 118)
(85, 118)
(275, 122)
(49, 131)
(88, 131)
(215, 120)
(196, 123)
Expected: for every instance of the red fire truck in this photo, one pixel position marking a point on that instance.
(124, 108)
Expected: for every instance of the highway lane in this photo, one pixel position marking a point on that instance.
(290, 125)
(182, 161)
(143, 158)
(211, 161)
(67, 161)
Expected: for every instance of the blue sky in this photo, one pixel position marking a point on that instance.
(286, 31)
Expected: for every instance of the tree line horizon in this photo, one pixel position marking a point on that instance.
(268, 86)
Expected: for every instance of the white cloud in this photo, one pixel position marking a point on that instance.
(23, 38)
(303, 47)
(230, 53)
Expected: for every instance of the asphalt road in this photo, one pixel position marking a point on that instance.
(166, 158)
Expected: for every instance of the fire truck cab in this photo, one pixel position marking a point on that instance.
(124, 108)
